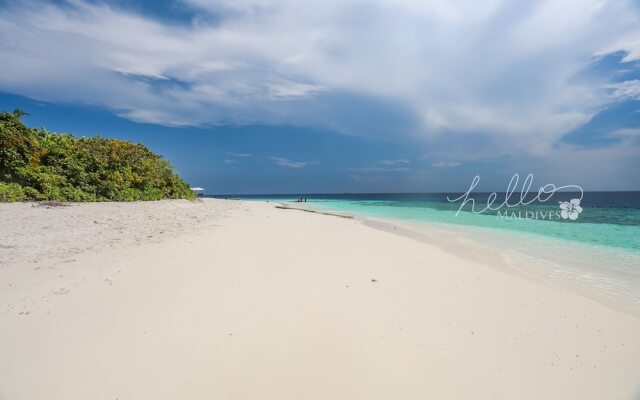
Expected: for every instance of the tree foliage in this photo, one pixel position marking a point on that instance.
(36, 164)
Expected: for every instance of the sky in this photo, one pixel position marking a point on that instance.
(290, 96)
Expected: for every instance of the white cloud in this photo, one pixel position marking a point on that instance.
(613, 167)
(380, 169)
(626, 133)
(626, 90)
(239, 154)
(394, 162)
(506, 69)
(283, 162)
(445, 164)
(292, 90)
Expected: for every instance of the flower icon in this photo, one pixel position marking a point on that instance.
(570, 209)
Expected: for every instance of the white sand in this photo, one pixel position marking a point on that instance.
(237, 300)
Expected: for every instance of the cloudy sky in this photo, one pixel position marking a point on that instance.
(265, 96)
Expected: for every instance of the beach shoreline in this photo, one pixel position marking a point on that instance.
(603, 273)
(235, 299)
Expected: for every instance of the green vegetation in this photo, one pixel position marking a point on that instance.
(40, 165)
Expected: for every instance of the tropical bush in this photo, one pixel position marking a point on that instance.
(36, 164)
(10, 192)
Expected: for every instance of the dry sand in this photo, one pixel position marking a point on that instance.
(234, 300)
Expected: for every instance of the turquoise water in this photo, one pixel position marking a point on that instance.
(623, 236)
(610, 219)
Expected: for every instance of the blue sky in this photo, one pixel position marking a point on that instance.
(283, 96)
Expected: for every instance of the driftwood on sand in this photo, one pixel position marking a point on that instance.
(314, 211)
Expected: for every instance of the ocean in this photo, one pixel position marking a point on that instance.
(597, 253)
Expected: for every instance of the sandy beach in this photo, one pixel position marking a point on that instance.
(225, 299)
